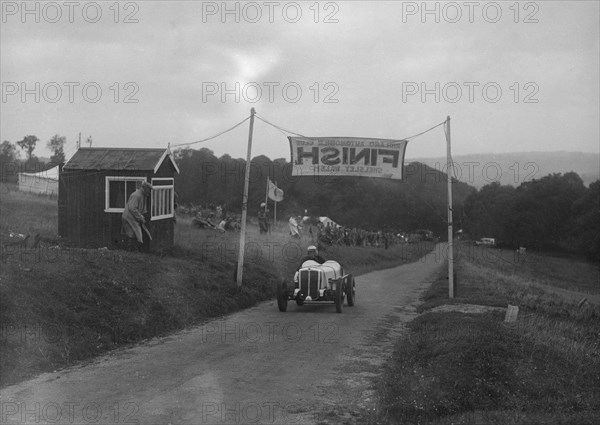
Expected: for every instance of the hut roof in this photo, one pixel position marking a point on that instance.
(144, 159)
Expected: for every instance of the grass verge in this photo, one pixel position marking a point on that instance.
(453, 367)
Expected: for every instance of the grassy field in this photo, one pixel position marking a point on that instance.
(59, 306)
(26, 213)
(454, 367)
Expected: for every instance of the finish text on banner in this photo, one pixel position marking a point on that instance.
(347, 156)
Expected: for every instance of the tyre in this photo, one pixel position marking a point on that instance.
(338, 297)
(282, 296)
(351, 291)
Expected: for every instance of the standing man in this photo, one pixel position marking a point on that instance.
(294, 227)
(263, 222)
(133, 219)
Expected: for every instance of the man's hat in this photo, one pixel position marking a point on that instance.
(262, 205)
(147, 185)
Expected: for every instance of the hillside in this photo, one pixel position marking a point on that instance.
(517, 167)
(419, 201)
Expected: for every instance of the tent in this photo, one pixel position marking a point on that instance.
(328, 222)
(43, 183)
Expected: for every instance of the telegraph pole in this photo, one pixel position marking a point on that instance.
(450, 166)
(240, 265)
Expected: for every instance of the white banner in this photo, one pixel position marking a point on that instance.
(347, 156)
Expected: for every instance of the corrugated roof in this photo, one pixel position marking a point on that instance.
(115, 159)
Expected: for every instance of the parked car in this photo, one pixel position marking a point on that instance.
(486, 241)
(318, 283)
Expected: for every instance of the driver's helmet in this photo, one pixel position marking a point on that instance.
(311, 248)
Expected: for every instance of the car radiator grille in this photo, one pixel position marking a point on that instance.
(309, 283)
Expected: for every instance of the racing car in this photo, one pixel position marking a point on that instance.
(315, 283)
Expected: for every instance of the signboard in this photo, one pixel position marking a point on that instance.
(347, 156)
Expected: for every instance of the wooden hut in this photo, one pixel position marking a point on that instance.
(95, 184)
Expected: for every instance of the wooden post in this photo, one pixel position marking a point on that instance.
(267, 195)
(450, 166)
(267, 207)
(240, 265)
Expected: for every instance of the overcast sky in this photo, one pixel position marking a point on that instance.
(361, 68)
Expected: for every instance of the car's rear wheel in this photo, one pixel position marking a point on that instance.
(338, 297)
(351, 291)
(282, 296)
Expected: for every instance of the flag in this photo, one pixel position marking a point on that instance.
(347, 156)
(274, 192)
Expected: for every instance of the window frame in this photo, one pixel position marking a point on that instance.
(155, 191)
(125, 179)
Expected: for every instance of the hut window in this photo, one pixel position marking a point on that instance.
(163, 198)
(117, 191)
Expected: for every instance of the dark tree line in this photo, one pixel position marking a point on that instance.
(556, 212)
(417, 202)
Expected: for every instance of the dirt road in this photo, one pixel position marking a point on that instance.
(308, 365)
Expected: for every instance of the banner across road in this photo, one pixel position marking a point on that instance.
(347, 156)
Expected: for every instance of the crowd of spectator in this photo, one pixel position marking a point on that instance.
(324, 234)
(214, 217)
(332, 234)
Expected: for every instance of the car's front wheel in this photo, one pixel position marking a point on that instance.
(351, 291)
(339, 297)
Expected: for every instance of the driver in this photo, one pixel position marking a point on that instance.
(312, 254)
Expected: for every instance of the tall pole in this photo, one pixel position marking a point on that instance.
(449, 169)
(266, 207)
(240, 265)
(267, 195)
(275, 212)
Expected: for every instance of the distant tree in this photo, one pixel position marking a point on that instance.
(554, 212)
(28, 144)
(56, 145)
(8, 161)
(583, 227)
(8, 151)
(180, 153)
